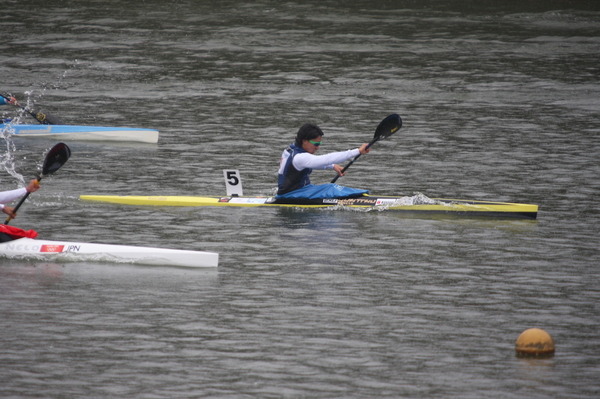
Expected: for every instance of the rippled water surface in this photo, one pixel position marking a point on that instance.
(500, 101)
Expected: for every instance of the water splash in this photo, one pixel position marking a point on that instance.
(7, 158)
(416, 199)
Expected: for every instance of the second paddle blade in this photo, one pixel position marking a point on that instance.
(55, 158)
(390, 125)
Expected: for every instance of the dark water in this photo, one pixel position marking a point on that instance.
(500, 101)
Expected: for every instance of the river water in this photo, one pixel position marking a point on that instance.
(500, 101)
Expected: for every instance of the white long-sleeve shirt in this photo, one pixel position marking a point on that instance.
(7, 196)
(307, 160)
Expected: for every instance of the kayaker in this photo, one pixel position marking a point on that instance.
(8, 100)
(41, 117)
(11, 195)
(4, 101)
(298, 161)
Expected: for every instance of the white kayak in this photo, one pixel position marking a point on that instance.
(84, 133)
(65, 251)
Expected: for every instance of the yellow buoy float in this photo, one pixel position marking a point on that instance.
(534, 342)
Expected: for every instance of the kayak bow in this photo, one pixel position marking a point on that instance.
(84, 133)
(65, 251)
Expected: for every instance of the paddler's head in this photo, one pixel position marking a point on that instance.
(309, 137)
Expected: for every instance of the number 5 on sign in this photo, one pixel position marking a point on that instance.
(233, 182)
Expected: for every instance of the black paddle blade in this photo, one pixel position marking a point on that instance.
(56, 158)
(390, 125)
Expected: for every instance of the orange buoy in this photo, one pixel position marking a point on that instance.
(534, 342)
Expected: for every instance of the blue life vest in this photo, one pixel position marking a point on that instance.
(292, 178)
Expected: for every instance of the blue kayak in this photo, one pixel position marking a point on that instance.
(85, 133)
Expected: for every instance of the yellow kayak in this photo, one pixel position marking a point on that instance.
(383, 203)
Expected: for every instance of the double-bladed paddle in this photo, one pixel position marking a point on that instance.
(388, 126)
(56, 157)
(41, 117)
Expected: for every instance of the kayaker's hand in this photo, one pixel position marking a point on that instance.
(9, 211)
(338, 169)
(12, 100)
(363, 149)
(33, 186)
